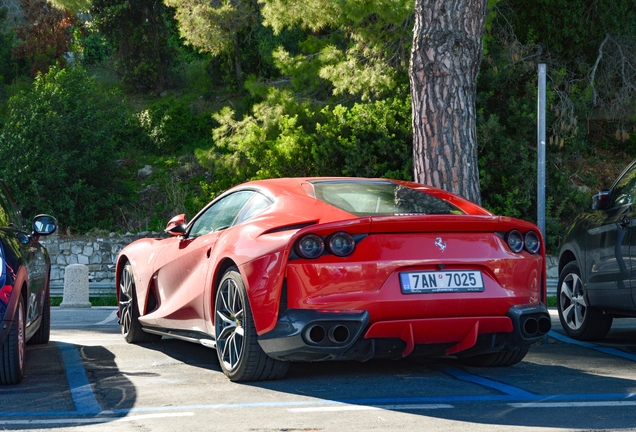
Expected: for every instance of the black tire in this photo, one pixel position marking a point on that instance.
(131, 328)
(13, 351)
(580, 321)
(43, 334)
(240, 355)
(502, 358)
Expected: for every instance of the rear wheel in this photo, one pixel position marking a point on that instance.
(43, 334)
(499, 359)
(579, 320)
(240, 355)
(12, 352)
(129, 311)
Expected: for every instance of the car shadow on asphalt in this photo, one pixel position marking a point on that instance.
(557, 385)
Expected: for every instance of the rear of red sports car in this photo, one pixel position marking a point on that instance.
(417, 272)
(311, 269)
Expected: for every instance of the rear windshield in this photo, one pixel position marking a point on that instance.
(384, 198)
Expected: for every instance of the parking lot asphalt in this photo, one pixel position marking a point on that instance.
(88, 377)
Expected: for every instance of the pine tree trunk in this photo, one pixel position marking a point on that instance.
(237, 58)
(445, 58)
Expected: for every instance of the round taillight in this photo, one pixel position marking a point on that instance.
(341, 244)
(533, 244)
(310, 246)
(515, 241)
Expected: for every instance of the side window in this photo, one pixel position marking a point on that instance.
(625, 189)
(9, 212)
(4, 215)
(256, 204)
(220, 215)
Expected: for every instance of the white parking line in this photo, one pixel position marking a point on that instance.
(83, 340)
(93, 420)
(111, 317)
(370, 407)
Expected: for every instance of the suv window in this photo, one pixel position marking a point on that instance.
(625, 188)
(381, 198)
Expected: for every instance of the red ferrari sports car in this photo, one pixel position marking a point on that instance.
(312, 269)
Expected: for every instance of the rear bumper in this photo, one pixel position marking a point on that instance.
(310, 335)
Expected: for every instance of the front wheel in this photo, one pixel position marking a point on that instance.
(240, 355)
(43, 334)
(578, 319)
(129, 311)
(13, 350)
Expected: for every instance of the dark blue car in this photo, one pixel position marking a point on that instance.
(24, 286)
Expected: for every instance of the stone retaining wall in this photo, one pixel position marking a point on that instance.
(99, 254)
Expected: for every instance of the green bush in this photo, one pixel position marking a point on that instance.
(58, 148)
(10, 69)
(173, 125)
(285, 137)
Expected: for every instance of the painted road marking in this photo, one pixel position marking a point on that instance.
(485, 382)
(81, 390)
(605, 350)
(72, 340)
(91, 420)
(86, 403)
(111, 317)
(370, 407)
(572, 404)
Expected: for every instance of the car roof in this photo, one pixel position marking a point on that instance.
(278, 187)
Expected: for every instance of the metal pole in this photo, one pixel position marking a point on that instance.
(541, 151)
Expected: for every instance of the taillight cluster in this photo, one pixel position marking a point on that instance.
(517, 242)
(312, 246)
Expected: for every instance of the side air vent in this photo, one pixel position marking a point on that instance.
(289, 227)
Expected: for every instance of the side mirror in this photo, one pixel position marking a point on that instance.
(44, 225)
(601, 200)
(177, 225)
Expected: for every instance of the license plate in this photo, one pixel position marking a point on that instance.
(441, 281)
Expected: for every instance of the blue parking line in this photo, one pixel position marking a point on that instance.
(112, 415)
(606, 350)
(485, 382)
(81, 390)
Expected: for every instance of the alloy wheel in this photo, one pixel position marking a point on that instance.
(125, 300)
(572, 301)
(21, 341)
(229, 325)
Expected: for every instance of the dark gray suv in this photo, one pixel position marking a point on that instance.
(597, 262)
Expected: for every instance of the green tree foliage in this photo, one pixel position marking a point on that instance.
(58, 148)
(337, 106)
(143, 34)
(285, 137)
(326, 93)
(359, 48)
(214, 26)
(46, 35)
(10, 69)
(592, 41)
(568, 36)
